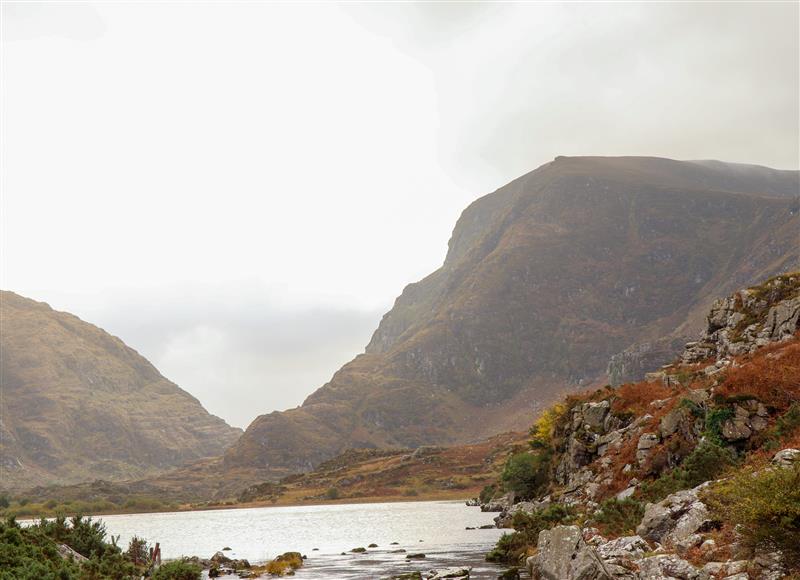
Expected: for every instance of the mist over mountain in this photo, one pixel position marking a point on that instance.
(545, 280)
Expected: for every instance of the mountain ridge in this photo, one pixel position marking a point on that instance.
(79, 403)
(544, 281)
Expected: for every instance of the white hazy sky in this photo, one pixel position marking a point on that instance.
(240, 190)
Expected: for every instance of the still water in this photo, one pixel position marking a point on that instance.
(436, 529)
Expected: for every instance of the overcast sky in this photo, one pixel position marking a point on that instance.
(240, 190)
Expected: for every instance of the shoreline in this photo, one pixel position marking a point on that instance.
(462, 495)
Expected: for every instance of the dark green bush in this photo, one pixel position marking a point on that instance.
(785, 425)
(527, 474)
(178, 570)
(31, 553)
(619, 517)
(708, 461)
(487, 493)
(714, 420)
(511, 547)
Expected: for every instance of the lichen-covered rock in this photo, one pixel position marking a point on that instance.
(786, 457)
(675, 518)
(449, 573)
(647, 441)
(556, 550)
(749, 319)
(668, 566)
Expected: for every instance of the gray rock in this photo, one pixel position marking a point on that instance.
(449, 573)
(782, 320)
(68, 553)
(736, 429)
(669, 566)
(594, 414)
(643, 448)
(626, 493)
(786, 457)
(674, 518)
(556, 549)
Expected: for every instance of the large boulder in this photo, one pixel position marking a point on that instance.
(556, 550)
(563, 553)
(675, 518)
(786, 457)
(669, 566)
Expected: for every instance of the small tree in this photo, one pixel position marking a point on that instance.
(138, 551)
(527, 474)
(543, 428)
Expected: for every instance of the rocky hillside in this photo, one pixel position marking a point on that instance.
(692, 474)
(545, 280)
(78, 404)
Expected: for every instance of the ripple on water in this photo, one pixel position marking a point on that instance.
(436, 529)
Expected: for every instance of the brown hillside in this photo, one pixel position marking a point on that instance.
(79, 404)
(544, 281)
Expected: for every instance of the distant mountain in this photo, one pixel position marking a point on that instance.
(78, 404)
(545, 280)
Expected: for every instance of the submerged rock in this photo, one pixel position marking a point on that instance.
(449, 573)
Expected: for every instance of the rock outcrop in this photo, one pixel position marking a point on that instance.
(675, 518)
(569, 553)
(545, 279)
(749, 319)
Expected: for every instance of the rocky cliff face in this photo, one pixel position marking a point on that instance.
(652, 469)
(544, 281)
(749, 319)
(79, 404)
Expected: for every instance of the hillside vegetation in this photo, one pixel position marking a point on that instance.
(624, 472)
(582, 262)
(78, 404)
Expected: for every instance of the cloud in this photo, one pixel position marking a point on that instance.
(240, 190)
(241, 352)
(520, 84)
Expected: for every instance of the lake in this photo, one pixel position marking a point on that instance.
(436, 529)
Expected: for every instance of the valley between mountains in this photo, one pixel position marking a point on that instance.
(585, 272)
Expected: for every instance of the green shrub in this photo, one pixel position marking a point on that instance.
(178, 570)
(708, 461)
(785, 425)
(765, 508)
(487, 493)
(714, 420)
(527, 474)
(619, 517)
(31, 553)
(138, 551)
(511, 547)
(332, 493)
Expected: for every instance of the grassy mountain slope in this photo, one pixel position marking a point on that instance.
(79, 404)
(545, 279)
